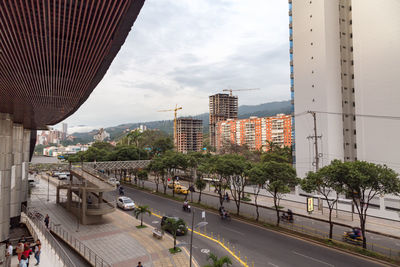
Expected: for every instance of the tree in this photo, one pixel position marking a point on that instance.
(172, 161)
(142, 175)
(326, 182)
(173, 225)
(218, 262)
(156, 166)
(257, 180)
(235, 167)
(134, 136)
(362, 181)
(200, 185)
(140, 210)
(280, 178)
(216, 165)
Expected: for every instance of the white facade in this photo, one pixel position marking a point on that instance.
(339, 45)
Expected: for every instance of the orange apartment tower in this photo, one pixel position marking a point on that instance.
(255, 132)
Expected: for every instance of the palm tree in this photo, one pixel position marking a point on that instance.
(218, 262)
(140, 211)
(173, 225)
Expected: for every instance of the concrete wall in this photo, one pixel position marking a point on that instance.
(16, 174)
(6, 129)
(376, 27)
(317, 83)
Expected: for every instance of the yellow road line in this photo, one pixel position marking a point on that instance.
(216, 241)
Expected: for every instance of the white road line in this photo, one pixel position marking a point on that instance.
(274, 265)
(311, 258)
(240, 233)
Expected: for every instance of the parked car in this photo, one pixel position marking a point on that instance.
(182, 229)
(113, 181)
(181, 190)
(125, 203)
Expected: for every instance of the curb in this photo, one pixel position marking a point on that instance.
(303, 238)
(313, 218)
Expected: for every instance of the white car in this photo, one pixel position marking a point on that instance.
(125, 203)
(113, 181)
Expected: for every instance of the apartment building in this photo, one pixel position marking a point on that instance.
(222, 107)
(189, 135)
(344, 67)
(255, 132)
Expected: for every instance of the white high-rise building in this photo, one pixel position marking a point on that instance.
(345, 68)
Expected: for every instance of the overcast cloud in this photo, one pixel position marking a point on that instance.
(182, 51)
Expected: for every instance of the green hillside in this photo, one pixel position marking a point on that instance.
(262, 110)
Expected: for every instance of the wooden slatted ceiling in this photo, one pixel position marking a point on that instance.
(54, 52)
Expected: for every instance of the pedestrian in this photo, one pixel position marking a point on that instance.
(9, 252)
(27, 252)
(20, 249)
(23, 262)
(139, 264)
(37, 250)
(47, 221)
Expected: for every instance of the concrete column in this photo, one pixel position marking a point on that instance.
(100, 200)
(84, 206)
(25, 166)
(16, 175)
(6, 145)
(382, 203)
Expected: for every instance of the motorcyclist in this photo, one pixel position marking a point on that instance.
(355, 233)
(185, 205)
(290, 214)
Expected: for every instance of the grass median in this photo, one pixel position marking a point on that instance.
(320, 240)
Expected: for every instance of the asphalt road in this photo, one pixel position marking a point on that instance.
(379, 243)
(264, 247)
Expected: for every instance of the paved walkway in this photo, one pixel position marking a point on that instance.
(116, 240)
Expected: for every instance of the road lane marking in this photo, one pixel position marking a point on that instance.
(311, 258)
(233, 230)
(274, 265)
(155, 222)
(205, 251)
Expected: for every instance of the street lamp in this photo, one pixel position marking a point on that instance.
(200, 224)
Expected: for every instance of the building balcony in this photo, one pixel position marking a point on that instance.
(291, 50)
(290, 25)
(291, 89)
(290, 38)
(290, 13)
(291, 62)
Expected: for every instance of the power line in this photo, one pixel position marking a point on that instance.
(355, 114)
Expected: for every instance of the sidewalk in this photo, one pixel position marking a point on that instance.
(117, 240)
(374, 224)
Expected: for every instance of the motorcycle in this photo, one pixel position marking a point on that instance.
(225, 216)
(121, 191)
(287, 217)
(187, 208)
(352, 238)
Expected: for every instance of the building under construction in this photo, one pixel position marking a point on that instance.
(222, 108)
(189, 135)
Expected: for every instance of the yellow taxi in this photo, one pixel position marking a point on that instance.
(171, 184)
(181, 190)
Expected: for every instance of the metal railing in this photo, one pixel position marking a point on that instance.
(87, 168)
(29, 218)
(82, 249)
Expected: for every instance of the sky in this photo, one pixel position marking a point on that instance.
(182, 51)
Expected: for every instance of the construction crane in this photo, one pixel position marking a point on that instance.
(245, 89)
(175, 110)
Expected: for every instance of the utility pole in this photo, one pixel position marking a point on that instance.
(315, 138)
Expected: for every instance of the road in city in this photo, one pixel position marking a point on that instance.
(385, 245)
(263, 246)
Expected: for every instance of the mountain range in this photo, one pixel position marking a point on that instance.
(245, 111)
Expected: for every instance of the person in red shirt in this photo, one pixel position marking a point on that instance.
(27, 252)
